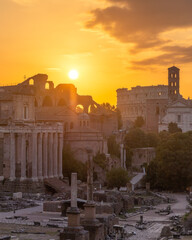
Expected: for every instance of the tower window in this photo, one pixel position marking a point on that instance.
(178, 118)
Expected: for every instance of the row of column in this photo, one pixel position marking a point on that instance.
(44, 152)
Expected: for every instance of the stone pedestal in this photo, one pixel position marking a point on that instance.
(91, 224)
(89, 211)
(73, 215)
(147, 187)
(74, 233)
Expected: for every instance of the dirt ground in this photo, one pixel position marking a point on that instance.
(32, 232)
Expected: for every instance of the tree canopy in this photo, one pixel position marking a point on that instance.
(117, 177)
(70, 164)
(172, 167)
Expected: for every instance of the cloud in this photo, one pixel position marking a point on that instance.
(142, 23)
(24, 2)
(78, 55)
(173, 54)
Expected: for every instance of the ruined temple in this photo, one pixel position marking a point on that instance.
(37, 119)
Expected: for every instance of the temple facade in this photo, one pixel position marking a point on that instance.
(37, 119)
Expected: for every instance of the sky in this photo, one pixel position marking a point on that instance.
(111, 43)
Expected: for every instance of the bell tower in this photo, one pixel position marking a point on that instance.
(173, 82)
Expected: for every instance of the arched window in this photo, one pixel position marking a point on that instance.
(79, 108)
(31, 82)
(25, 112)
(47, 101)
(47, 85)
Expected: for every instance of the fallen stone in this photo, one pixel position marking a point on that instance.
(17, 195)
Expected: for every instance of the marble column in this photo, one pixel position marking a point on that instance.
(124, 159)
(55, 158)
(60, 155)
(122, 155)
(50, 173)
(90, 178)
(23, 157)
(12, 157)
(45, 155)
(40, 156)
(73, 190)
(34, 156)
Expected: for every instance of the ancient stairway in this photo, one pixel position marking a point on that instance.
(56, 184)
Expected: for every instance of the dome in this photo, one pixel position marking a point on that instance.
(83, 116)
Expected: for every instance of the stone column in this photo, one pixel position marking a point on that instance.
(122, 155)
(60, 155)
(74, 230)
(39, 157)
(34, 156)
(55, 158)
(12, 157)
(90, 178)
(45, 156)
(23, 157)
(50, 174)
(124, 159)
(73, 190)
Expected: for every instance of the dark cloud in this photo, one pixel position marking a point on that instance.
(173, 54)
(142, 21)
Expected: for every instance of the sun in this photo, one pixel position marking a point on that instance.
(73, 74)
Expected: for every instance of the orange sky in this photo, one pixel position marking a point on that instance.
(112, 43)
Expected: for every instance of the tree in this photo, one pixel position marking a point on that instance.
(113, 146)
(70, 164)
(172, 167)
(108, 106)
(139, 122)
(119, 118)
(136, 138)
(100, 160)
(117, 177)
(173, 128)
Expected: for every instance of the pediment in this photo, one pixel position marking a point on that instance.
(179, 104)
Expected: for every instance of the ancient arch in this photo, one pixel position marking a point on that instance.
(79, 108)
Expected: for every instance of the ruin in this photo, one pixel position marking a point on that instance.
(36, 120)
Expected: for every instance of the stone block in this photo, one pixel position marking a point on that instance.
(52, 206)
(17, 195)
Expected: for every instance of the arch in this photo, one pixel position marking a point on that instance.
(31, 81)
(47, 85)
(92, 108)
(61, 102)
(79, 108)
(47, 101)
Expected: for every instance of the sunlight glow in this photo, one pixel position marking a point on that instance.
(73, 74)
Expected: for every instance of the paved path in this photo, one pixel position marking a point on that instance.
(157, 221)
